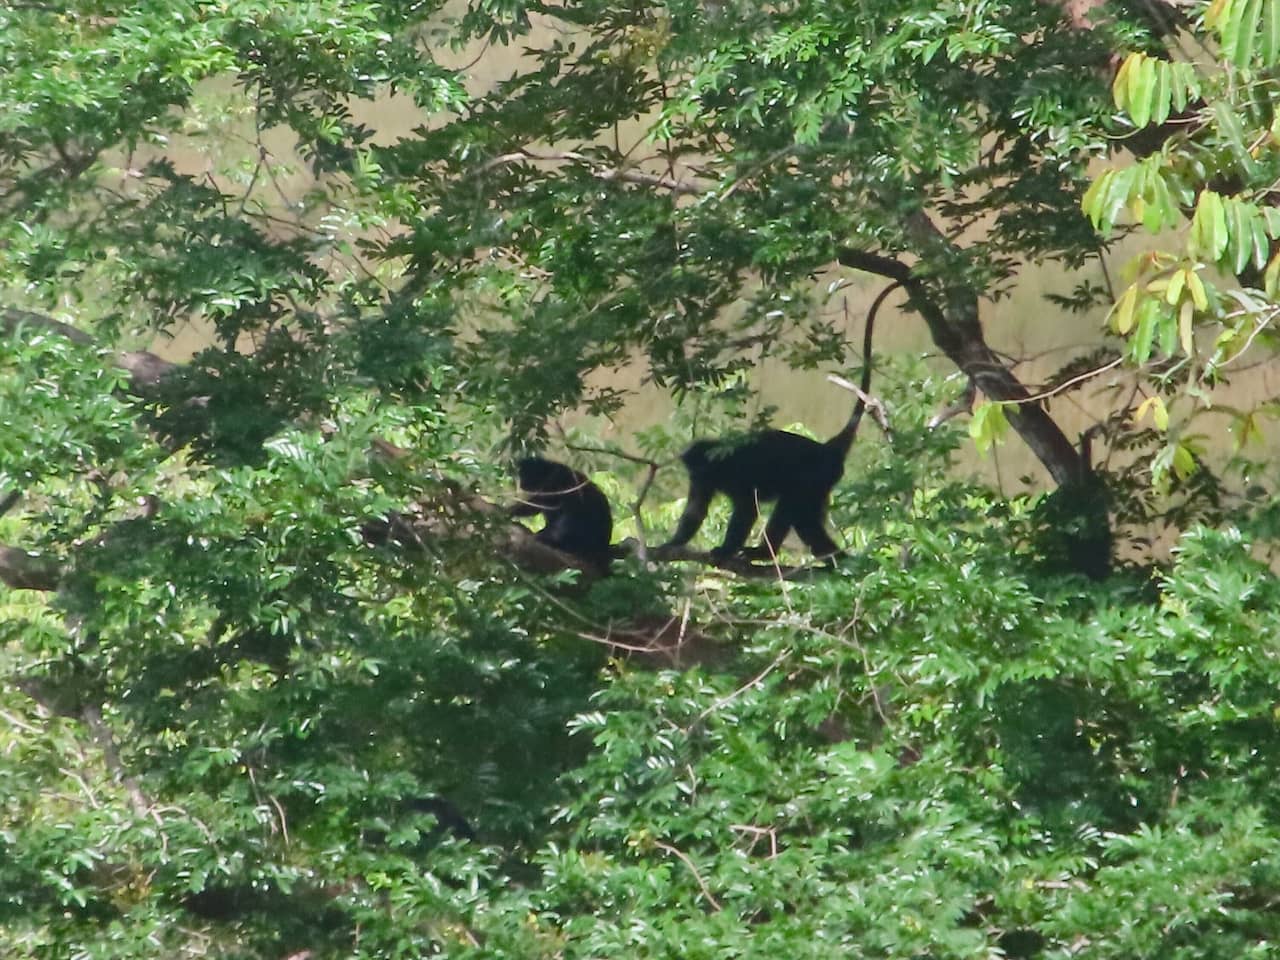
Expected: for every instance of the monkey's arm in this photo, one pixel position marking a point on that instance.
(526, 509)
(695, 511)
(775, 531)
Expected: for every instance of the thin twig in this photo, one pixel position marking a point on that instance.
(1087, 375)
(730, 697)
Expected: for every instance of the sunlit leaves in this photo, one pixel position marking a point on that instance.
(1219, 170)
(1142, 190)
(1150, 88)
(988, 425)
(1248, 29)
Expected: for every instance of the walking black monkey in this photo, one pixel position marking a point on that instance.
(772, 465)
(578, 517)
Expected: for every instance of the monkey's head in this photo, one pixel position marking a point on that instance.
(534, 473)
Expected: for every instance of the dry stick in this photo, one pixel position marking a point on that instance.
(629, 647)
(643, 552)
(693, 869)
(620, 454)
(777, 567)
(874, 406)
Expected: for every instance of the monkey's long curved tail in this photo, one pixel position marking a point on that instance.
(843, 440)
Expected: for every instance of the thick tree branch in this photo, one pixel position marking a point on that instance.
(146, 370)
(20, 570)
(950, 310)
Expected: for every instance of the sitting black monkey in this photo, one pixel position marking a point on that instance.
(773, 465)
(577, 512)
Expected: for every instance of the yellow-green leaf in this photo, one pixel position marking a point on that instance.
(1122, 313)
(1174, 290)
(1246, 430)
(1091, 203)
(1196, 286)
(1159, 412)
(1120, 85)
(988, 425)
(1184, 461)
(1185, 335)
(1209, 226)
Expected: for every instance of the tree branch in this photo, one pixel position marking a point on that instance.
(146, 370)
(607, 174)
(950, 310)
(20, 570)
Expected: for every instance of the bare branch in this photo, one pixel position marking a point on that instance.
(950, 311)
(106, 741)
(607, 174)
(963, 405)
(874, 406)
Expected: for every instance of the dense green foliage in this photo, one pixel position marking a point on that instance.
(236, 723)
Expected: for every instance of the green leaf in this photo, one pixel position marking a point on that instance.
(1149, 320)
(1232, 131)
(1142, 88)
(1244, 217)
(1209, 235)
(1261, 247)
(1269, 43)
(1247, 30)
(1163, 96)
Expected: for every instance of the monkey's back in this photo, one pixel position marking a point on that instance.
(764, 465)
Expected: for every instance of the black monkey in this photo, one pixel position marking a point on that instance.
(577, 512)
(1074, 521)
(797, 472)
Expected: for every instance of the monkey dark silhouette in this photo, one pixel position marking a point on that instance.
(1074, 522)
(773, 465)
(577, 512)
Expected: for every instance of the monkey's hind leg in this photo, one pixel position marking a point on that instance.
(810, 521)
